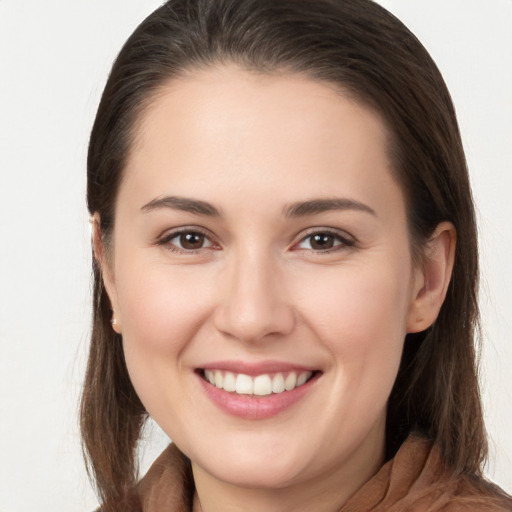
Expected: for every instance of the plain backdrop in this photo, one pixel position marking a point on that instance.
(55, 57)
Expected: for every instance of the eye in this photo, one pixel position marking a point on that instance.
(186, 241)
(324, 241)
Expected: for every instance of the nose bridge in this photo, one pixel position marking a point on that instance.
(254, 303)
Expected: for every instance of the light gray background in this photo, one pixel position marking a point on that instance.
(55, 56)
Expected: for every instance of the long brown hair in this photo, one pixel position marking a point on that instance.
(367, 52)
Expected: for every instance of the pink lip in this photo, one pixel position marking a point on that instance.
(251, 407)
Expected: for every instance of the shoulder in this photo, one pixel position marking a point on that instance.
(448, 492)
(417, 480)
(476, 493)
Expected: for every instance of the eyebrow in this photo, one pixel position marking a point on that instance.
(185, 204)
(315, 206)
(298, 209)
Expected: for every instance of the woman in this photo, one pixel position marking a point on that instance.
(285, 267)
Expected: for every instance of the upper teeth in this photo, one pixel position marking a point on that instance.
(260, 385)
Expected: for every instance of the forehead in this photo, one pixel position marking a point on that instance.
(226, 127)
(219, 97)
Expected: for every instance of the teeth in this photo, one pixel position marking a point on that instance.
(301, 379)
(244, 384)
(278, 383)
(290, 381)
(261, 385)
(229, 383)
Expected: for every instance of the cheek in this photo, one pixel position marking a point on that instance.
(364, 329)
(161, 306)
(162, 310)
(355, 301)
(360, 315)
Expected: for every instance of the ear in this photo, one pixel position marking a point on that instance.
(104, 261)
(432, 279)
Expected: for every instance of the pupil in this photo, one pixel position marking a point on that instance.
(322, 241)
(191, 240)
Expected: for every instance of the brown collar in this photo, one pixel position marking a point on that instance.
(415, 480)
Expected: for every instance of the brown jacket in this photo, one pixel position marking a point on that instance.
(414, 480)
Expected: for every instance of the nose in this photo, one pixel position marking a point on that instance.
(253, 305)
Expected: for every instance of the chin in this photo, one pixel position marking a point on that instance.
(269, 464)
(257, 474)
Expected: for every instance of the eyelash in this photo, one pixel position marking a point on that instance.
(344, 241)
(166, 240)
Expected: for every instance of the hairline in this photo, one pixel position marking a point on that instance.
(142, 108)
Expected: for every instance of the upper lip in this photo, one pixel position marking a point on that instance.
(256, 368)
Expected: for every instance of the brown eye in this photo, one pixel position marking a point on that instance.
(186, 241)
(322, 241)
(191, 241)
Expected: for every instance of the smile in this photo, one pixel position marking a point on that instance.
(258, 385)
(256, 392)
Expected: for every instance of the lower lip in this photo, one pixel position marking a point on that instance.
(251, 407)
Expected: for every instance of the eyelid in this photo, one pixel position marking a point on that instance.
(345, 238)
(164, 239)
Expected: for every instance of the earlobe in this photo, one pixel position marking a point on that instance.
(103, 261)
(116, 324)
(433, 279)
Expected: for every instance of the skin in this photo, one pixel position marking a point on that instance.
(257, 289)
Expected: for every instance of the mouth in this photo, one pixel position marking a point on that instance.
(262, 385)
(257, 390)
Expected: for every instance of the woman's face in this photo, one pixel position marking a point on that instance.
(260, 241)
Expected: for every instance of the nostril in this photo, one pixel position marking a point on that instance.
(252, 323)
